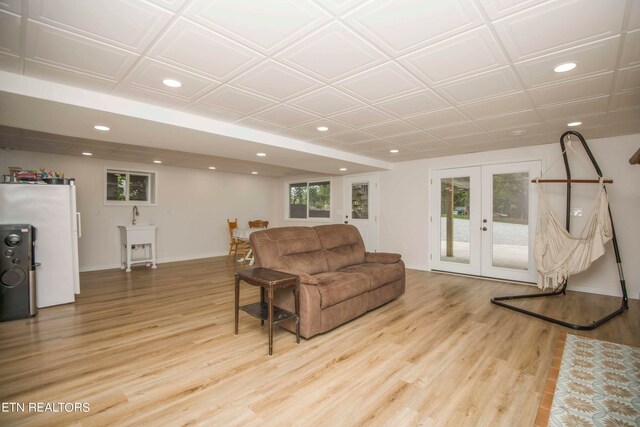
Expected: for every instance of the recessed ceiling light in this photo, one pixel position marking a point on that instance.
(517, 132)
(394, 151)
(254, 173)
(86, 153)
(171, 83)
(157, 161)
(343, 169)
(322, 128)
(212, 167)
(572, 124)
(261, 154)
(567, 66)
(101, 127)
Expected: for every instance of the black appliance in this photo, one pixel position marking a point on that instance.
(17, 272)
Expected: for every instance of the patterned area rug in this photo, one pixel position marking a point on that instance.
(598, 384)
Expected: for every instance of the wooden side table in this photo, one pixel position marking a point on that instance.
(268, 280)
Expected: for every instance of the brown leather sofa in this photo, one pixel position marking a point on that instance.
(339, 281)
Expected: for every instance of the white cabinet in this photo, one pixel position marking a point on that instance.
(140, 234)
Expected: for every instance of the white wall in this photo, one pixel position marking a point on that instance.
(191, 213)
(404, 204)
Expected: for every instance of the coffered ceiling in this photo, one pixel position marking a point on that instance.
(427, 78)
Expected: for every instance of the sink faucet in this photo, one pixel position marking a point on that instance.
(135, 214)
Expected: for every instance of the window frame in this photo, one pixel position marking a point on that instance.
(287, 200)
(152, 187)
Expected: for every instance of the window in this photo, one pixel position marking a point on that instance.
(309, 200)
(130, 187)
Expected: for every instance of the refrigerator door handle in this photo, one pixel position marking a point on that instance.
(79, 224)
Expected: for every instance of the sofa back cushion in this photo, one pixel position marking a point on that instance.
(342, 245)
(290, 249)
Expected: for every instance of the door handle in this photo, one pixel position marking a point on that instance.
(484, 228)
(346, 222)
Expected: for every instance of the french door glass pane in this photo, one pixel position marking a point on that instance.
(360, 201)
(454, 221)
(510, 244)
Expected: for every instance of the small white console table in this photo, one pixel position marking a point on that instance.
(143, 234)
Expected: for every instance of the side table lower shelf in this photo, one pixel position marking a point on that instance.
(261, 311)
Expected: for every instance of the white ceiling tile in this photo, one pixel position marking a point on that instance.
(485, 85)
(414, 103)
(517, 101)
(470, 53)
(438, 118)
(586, 106)
(331, 53)
(558, 125)
(10, 63)
(593, 58)
(362, 117)
(510, 121)
(413, 138)
(250, 122)
(14, 6)
(340, 6)
(625, 100)
(378, 144)
(67, 76)
(187, 45)
(426, 145)
(312, 128)
(398, 25)
(634, 16)
(326, 101)
(276, 81)
(172, 5)
(235, 100)
(622, 116)
(624, 128)
(457, 130)
(570, 90)
(9, 33)
(389, 129)
(353, 137)
(128, 24)
(530, 129)
(500, 8)
(263, 25)
(214, 112)
(467, 140)
(381, 83)
(66, 50)
(148, 95)
(286, 116)
(559, 25)
(628, 79)
(149, 74)
(631, 50)
(297, 134)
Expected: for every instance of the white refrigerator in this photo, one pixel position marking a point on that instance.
(51, 209)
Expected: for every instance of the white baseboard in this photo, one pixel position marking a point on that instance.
(111, 266)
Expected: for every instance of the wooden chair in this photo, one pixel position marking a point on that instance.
(234, 243)
(258, 223)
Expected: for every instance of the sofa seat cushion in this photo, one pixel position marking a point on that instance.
(335, 287)
(379, 274)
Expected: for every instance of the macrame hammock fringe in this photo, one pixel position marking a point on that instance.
(558, 254)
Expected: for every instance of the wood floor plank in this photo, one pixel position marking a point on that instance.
(157, 347)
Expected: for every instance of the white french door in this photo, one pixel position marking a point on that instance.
(361, 207)
(483, 220)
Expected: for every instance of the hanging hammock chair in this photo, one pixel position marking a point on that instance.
(558, 254)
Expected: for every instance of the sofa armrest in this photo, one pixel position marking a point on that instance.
(305, 278)
(382, 257)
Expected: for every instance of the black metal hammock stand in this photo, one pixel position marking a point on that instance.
(624, 304)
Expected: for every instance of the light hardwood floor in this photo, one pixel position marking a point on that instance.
(156, 347)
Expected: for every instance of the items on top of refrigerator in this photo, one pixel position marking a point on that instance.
(35, 176)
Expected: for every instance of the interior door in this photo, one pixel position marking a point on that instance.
(361, 207)
(455, 220)
(482, 220)
(509, 207)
